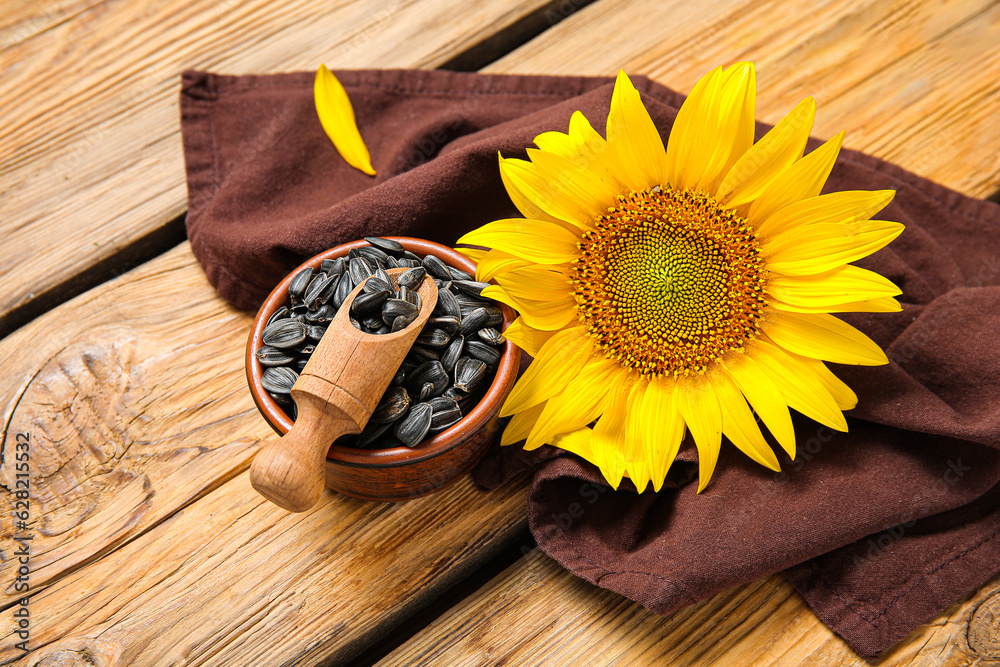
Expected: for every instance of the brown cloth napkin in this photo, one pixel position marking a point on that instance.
(880, 529)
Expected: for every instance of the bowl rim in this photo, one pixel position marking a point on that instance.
(442, 442)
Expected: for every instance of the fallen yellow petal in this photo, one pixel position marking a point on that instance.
(336, 115)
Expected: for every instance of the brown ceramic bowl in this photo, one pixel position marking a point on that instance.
(400, 473)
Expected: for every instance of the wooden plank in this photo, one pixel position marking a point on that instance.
(516, 619)
(913, 82)
(149, 545)
(90, 149)
(860, 59)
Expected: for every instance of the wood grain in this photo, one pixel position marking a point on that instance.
(90, 149)
(536, 613)
(150, 547)
(913, 82)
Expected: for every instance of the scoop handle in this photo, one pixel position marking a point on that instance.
(291, 471)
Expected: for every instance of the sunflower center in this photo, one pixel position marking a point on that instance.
(668, 281)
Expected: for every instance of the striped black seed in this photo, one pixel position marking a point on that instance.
(470, 287)
(411, 278)
(284, 333)
(451, 353)
(446, 304)
(369, 302)
(400, 323)
(412, 429)
(433, 338)
(399, 377)
(394, 404)
(491, 336)
(487, 354)
(279, 314)
(474, 321)
(468, 374)
(388, 245)
(299, 283)
(376, 284)
(344, 287)
(458, 274)
(360, 269)
(393, 308)
(279, 379)
(319, 290)
(386, 278)
(273, 356)
(315, 331)
(373, 254)
(496, 316)
(436, 267)
(422, 354)
(372, 323)
(446, 417)
(447, 323)
(323, 315)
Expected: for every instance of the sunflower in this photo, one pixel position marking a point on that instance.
(687, 289)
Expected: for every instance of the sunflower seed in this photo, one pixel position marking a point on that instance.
(328, 264)
(408, 263)
(470, 287)
(394, 404)
(394, 308)
(369, 302)
(426, 391)
(485, 353)
(386, 278)
(279, 379)
(391, 263)
(399, 377)
(272, 356)
(324, 315)
(300, 364)
(376, 284)
(372, 323)
(411, 278)
(466, 301)
(319, 291)
(458, 274)
(429, 372)
(474, 321)
(451, 353)
(284, 333)
(468, 374)
(436, 267)
(446, 304)
(400, 323)
(285, 401)
(356, 324)
(442, 403)
(344, 287)
(306, 348)
(445, 417)
(315, 331)
(447, 323)
(388, 245)
(413, 429)
(382, 330)
(299, 283)
(279, 314)
(496, 316)
(373, 254)
(433, 338)
(407, 255)
(413, 298)
(491, 335)
(359, 269)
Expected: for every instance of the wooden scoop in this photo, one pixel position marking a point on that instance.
(335, 394)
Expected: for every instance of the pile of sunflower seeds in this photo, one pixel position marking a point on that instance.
(446, 371)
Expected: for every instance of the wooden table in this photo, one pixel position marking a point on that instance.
(125, 369)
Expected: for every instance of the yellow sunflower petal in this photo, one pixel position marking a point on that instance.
(336, 115)
(608, 441)
(764, 396)
(583, 145)
(841, 285)
(520, 199)
(535, 279)
(802, 180)
(559, 360)
(634, 142)
(475, 254)
(636, 462)
(739, 425)
(821, 336)
(776, 150)
(535, 240)
(699, 407)
(881, 305)
(579, 442)
(799, 385)
(520, 425)
(523, 177)
(822, 247)
(495, 262)
(848, 206)
(580, 403)
(528, 339)
(710, 132)
(557, 313)
(844, 396)
(574, 182)
(661, 419)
